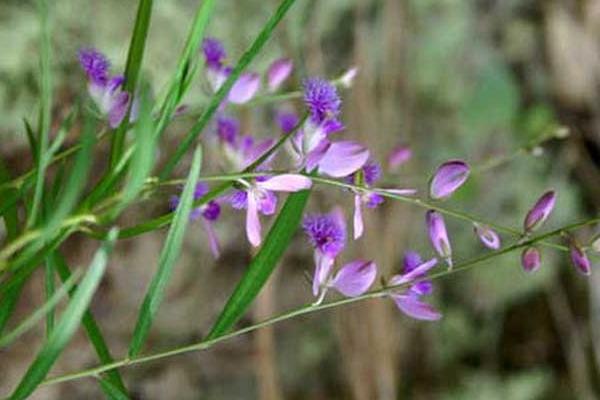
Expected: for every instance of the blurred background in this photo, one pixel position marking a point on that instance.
(476, 79)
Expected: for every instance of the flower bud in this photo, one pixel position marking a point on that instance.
(579, 259)
(448, 178)
(540, 211)
(438, 235)
(531, 259)
(488, 237)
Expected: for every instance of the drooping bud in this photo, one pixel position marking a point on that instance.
(438, 235)
(531, 259)
(448, 178)
(540, 211)
(579, 259)
(488, 236)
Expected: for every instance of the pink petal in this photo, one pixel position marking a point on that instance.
(286, 183)
(278, 72)
(449, 176)
(398, 156)
(343, 158)
(323, 264)
(358, 220)
(213, 240)
(252, 221)
(118, 108)
(316, 155)
(355, 278)
(415, 308)
(245, 88)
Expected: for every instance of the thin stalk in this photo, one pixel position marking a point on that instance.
(309, 309)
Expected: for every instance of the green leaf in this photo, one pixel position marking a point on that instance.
(112, 391)
(67, 324)
(39, 313)
(92, 330)
(218, 97)
(168, 257)
(263, 264)
(132, 70)
(32, 140)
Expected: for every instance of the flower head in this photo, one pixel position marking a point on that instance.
(326, 232)
(448, 178)
(531, 259)
(438, 235)
(214, 52)
(228, 129)
(540, 211)
(95, 65)
(322, 99)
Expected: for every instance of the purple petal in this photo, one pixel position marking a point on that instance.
(211, 211)
(488, 237)
(118, 109)
(411, 260)
(267, 203)
(413, 307)
(278, 72)
(343, 158)
(580, 260)
(540, 211)
(355, 278)
(374, 200)
(287, 121)
(398, 156)
(448, 178)
(95, 65)
(245, 88)
(323, 264)
(216, 77)
(415, 273)
(253, 222)
(358, 219)
(213, 240)
(214, 52)
(316, 155)
(286, 183)
(438, 235)
(531, 259)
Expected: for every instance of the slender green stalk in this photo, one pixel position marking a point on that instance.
(132, 72)
(309, 309)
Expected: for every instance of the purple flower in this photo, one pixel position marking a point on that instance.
(278, 72)
(580, 260)
(208, 212)
(214, 52)
(244, 150)
(488, 236)
(531, 259)
(105, 90)
(354, 278)
(540, 211)
(438, 236)
(287, 121)
(244, 88)
(448, 178)
(322, 99)
(327, 234)
(398, 156)
(340, 159)
(228, 129)
(409, 299)
(258, 197)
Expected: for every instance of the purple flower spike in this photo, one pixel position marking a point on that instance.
(343, 158)
(214, 52)
(355, 278)
(322, 99)
(438, 235)
(540, 211)
(580, 260)
(278, 72)
(531, 259)
(245, 88)
(399, 156)
(488, 236)
(95, 65)
(448, 178)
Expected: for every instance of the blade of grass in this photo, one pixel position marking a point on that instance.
(67, 324)
(112, 391)
(168, 257)
(91, 328)
(263, 264)
(50, 291)
(132, 72)
(40, 312)
(32, 140)
(218, 97)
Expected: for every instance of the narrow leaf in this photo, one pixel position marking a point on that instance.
(263, 264)
(67, 324)
(168, 257)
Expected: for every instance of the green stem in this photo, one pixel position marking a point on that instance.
(308, 309)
